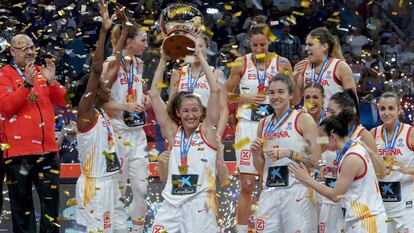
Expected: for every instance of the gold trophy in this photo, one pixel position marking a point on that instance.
(180, 25)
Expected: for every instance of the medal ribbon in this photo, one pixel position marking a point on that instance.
(339, 155)
(19, 71)
(321, 72)
(272, 126)
(351, 130)
(185, 147)
(110, 138)
(321, 118)
(130, 75)
(260, 78)
(393, 138)
(192, 84)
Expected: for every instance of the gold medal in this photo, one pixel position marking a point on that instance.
(183, 169)
(33, 97)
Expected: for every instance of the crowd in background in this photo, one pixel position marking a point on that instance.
(376, 39)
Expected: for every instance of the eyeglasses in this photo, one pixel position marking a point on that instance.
(25, 48)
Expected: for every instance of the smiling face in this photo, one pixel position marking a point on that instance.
(315, 97)
(190, 113)
(315, 50)
(388, 110)
(23, 50)
(103, 93)
(279, 96)
(259, 43)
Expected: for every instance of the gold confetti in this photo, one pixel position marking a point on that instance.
(4, 146)
(145, 28)
(308, 105)
(153, 158)
(316, 39)
(27, 213)
(228, 7)
(66, 193)
(127, 144)
(237, 14)
(234, 64)
(56, 224)
(113, 1)
(7, 161)
(305, 4)
(162, 85)
(54, 171)
(149, 22)
(401, 3)
(53, 186)
(48, 217)
(225, 182)
(298, 13)
(389, 220)
(41, 176)
(260, 55)
(333, 20)
(241, 143)
(207, 30)
(108, 155)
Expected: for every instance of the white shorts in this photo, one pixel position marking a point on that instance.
(133, 154)
(193, 216)
(375, 224)
(245, 129)
(331, 218)
(99, 205)
(287, 210)
(403, 223)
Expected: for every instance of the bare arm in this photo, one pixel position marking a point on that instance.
(168, 126)
(257, 149)
(345, 75)
(175, 81)
(163, 162)
(310, 132)
(297, 77)
(86, 113)
(371, 148)
(352, 166)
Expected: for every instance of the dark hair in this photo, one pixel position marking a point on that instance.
(347, 100)
(315, 85)
(324, 36)
(391, 95)
(283, 78)
(76, 90)
(258, 26)
(338, 124)
(116, 33)
(176, 101)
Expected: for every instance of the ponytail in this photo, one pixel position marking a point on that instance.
(116, 33)
(324, 36)
(336, 49)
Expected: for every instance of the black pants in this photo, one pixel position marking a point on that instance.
(42, 172)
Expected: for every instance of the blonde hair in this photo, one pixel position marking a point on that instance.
(323, 35)
(116, 33)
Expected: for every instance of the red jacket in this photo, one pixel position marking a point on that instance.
(27, 126)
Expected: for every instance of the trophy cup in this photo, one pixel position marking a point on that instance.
(180, 25)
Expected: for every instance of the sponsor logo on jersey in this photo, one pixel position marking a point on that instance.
(392, 152)
(157, 229)
(245, 157)
(260, 224)
(324, 82)
(107, 220)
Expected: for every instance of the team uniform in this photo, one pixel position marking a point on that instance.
(198, 84)
(362, 203)
(285, 204)
(326, 77)
(98, 198)
(331, 217)
(189, 197)
(249, 118)
(396, 187)
(132, 141)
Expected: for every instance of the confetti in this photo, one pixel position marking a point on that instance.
(228, 7)
(308, 105)
(237, 14)
(54, 171)
(298, 13)
(149, 22)
(234, 64)
(4, 146)
(305, 4)
(162, 85)
(333, 20)
(127, 144)
(241, 143)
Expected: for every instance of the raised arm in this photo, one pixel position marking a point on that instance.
(168, 126)
(86, 113)
(174, 82)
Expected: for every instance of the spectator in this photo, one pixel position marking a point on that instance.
(372, 83)
(26, 106)
(356, 40)
(75, 53)
(357, 68)
(68, 144)
(407, 56)
(349, 15)
(392, 50)
(287, 45)
(374, 21)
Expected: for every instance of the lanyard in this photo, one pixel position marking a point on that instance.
(130, 75)
(393, 138)
(323, 68)
(185, 147)
(321, 118)
(19, 71)
(339, 155)
(260, 78)
(192, 84)
(351, 130)
(272, 126)
(110, 138)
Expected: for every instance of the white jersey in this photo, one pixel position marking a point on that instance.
(249, 81)
(97, 153)
(119, 91)
(201, 88)
(276, 173)
(362, 200)
(200, 178)
(330, 168)
(329, 80)
(397, 189)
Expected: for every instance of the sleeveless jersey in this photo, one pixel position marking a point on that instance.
(362, 199)
(288, 135)
(119, 91)
(96, 156)
(201, 174)
(330, 169)
(397, 189)
(249, 81)
(329, 81)
(202, 88)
